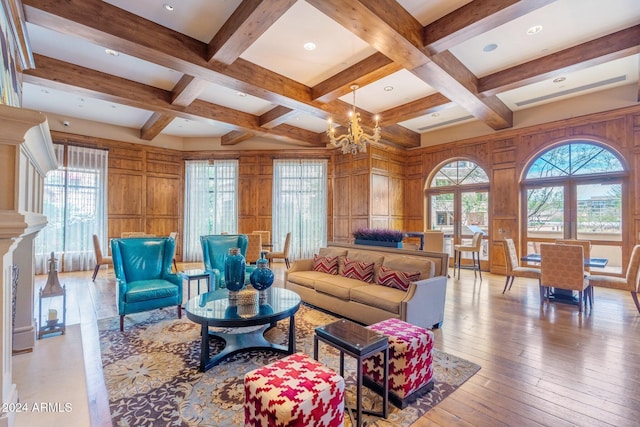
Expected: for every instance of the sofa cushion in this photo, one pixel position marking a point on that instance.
(325, 264)
(382, 297)
(338, 286)
(359, 270)
(426, 267)
(305, 278)
(397, 279)
(360, 255)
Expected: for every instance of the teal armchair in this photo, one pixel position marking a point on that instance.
(144, 280)
(215, 248)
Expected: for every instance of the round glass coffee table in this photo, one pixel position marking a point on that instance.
(215, 309)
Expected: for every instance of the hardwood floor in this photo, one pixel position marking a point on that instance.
(544, 365)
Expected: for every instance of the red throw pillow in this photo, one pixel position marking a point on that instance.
(396, 279)
(325, 264)
(359, 270)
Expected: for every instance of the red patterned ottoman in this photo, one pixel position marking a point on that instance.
(293, 391)
(410, 361)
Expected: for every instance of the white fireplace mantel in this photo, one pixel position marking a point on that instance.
(26, 155)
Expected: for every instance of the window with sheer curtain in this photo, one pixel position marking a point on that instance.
(300, 206)
(75, 204)
(211, 202)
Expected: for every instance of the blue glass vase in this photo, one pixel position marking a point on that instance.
(234, 267)
(262, 277)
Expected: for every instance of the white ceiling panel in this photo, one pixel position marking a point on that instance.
(444, 118)
(230, 98)
(308, 122)
(53, 101)
(80, 52)
(281, 47)
(196, 128)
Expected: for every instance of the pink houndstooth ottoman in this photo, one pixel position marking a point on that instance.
(410, 361)
(293, 391)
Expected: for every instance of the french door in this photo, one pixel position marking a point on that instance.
(459, 213)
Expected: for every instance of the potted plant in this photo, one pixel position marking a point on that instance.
(378, 237)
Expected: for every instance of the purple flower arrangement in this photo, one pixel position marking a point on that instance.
(379, 234)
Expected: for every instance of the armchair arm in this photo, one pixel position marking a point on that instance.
(424, 302)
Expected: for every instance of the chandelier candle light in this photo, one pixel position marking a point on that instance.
(355, 140)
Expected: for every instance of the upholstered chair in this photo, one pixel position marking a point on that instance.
(586, 249)
(266, 237)
(100, 259)
(281, 255)
(144, 280)
(215, 248)
(474, 248)
(512, 264)
(562, 266)
(630, 282)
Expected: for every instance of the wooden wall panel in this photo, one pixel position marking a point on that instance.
(161, 196)
(380, 191)
(359, 195)
(396, 197)
(504, 191)
(125, 194)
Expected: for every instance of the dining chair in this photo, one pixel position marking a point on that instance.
(266, 237)
(630, 282)
(100, 259)
(127, 234)
(433, 241)
(513, 267)
(254, 248)
(586, 249)
(474, 248)
(562, 267)
(284, 254)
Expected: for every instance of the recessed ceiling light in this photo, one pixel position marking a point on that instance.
(534, 30)
(490, 47)
(112, 52)
(44, 91)
(559, 79)
(435, 114)
(168, 7)
(310, 46)
(388, 88)
(241, 94)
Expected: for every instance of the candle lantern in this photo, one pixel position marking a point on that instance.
(52, 312)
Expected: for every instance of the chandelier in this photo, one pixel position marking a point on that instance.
(355, 140)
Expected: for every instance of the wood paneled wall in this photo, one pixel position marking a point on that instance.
(384, 187)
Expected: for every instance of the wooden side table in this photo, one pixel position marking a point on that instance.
(196, 274)
(360, 343)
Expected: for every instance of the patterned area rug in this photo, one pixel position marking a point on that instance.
(151, 373)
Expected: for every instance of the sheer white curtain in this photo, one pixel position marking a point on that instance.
(211, 202)
(300, 206)
(75, 203)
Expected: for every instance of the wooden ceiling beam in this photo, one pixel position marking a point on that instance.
(367, 71)
(247, 23)
(419, 107)
(156, 123)
(620, 44)
(107, 25)
(277, 116)
(187, 90)
(389, 28)
(235, 137)
(473, 19)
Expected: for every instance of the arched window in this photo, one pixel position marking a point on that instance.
(458, 203)
(575, 191)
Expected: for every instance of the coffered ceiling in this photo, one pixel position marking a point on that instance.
(238, 69)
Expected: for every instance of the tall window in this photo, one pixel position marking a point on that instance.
(458, 198)
(75, 204)
(211, 202)
(575, 191)
(300, 206)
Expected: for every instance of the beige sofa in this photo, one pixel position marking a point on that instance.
(421, 304)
